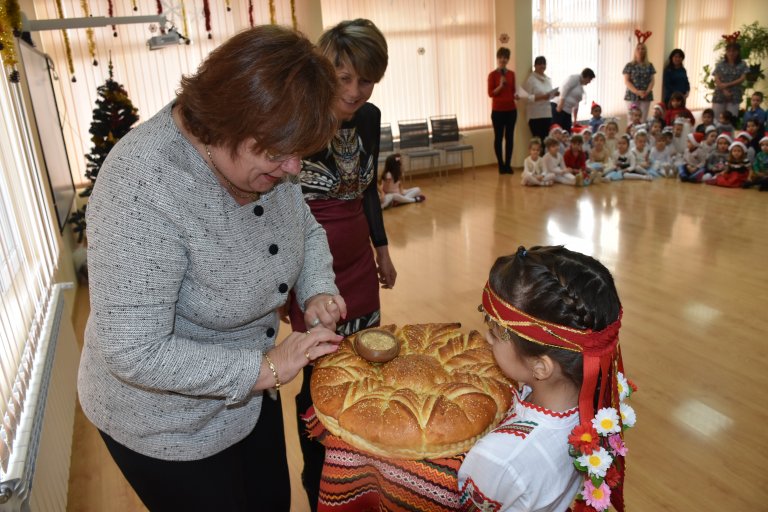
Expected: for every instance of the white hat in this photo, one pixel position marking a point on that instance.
(737, 143)
(724, 136)
(765, 138)
(710, 128)
(680, 120)
(744, 134)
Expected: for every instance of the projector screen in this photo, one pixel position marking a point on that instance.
(36, 73)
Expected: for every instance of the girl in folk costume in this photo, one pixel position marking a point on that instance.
(553, 319)
(736, 171)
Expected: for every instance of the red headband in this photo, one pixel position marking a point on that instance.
(602, 356)
(642, 37)
(732, 38)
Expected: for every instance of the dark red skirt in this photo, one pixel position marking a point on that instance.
(349, 240)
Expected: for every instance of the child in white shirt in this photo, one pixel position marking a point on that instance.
(552, 163)
(661, 160)
(552, 331)
(625, 164)
(533, 172)
(694, 158)
(642, 153)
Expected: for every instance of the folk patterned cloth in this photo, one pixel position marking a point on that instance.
(357, 481)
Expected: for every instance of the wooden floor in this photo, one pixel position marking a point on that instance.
(691, 267)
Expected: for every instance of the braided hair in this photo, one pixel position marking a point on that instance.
(559, 286)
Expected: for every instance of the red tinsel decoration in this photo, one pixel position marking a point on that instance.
(250, 12)
(207, 14)
(111, 12)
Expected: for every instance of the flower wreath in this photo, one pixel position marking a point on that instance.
(598, 450)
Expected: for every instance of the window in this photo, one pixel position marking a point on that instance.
(701, 24)
(440, 53)
(28, 252)
(596, 34)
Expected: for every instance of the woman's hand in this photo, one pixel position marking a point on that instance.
(385, 267)
(294, 353)
(324, 309)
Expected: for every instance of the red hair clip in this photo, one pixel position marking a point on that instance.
(642, 37)
(732, 38)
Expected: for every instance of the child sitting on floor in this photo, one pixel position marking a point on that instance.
(553, 318)
(611, 134)
(596, 120)
(642, 152)
(392, 188)
(661, 160)
(693, 159)
(533, 172)
(599, 158)
(710, 138)
(725, 123)
(624, 163)
(575, 160)
(707, 120)
(717, 161)
(659, 111)
(677, 109)
(759, 175)
(736, 170)
(552, 163)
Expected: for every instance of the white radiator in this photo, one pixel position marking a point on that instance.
(43, 445)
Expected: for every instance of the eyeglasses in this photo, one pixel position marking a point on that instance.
(278, 158)
(496, 329)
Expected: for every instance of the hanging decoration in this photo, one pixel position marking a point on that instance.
(184, 20)
(10, 27)
(250, 12)
(67, 46)
(89, 32)
(135, 5)
(207, 14)
(229, 5)
(111, 12)
(272, 13)
(159, 6)
(293, 15)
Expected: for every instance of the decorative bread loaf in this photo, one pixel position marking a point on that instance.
(440, 395)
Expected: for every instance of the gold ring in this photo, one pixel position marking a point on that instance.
(315, 323)
(308, 332)
(306, 354)
(329, 302)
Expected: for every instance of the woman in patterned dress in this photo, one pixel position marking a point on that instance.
(639, 79)
(339, 185)
(729, 74)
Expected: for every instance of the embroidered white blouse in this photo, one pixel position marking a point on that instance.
(523, 464)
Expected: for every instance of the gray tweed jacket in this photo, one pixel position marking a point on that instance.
(184, 285)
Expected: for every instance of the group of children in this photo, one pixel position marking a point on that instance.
(667, 145)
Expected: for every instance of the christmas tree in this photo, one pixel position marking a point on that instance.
(113, 117)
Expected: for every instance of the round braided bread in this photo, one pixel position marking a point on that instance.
(436, 399)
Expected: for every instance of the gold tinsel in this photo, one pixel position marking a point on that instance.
(89, 32)
(67, 46)
(10, 21)
(184, 19)
(272, 14)
(293, 15)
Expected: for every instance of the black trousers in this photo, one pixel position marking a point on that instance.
(540, 128)
(564, 119)
(504, 128)
(251, 475)
(312, 451)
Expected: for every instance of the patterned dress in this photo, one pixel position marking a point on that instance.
(523, 464)
(728, 73)
(640, 76)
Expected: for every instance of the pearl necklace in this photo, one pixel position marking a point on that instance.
(236, 191)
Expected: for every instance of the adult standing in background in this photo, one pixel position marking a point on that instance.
(729, 74)
(540, 93)
(571, 94)
(675, 78)
(195, 236)
(339, 184)
(639, 78)
(501, 89)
